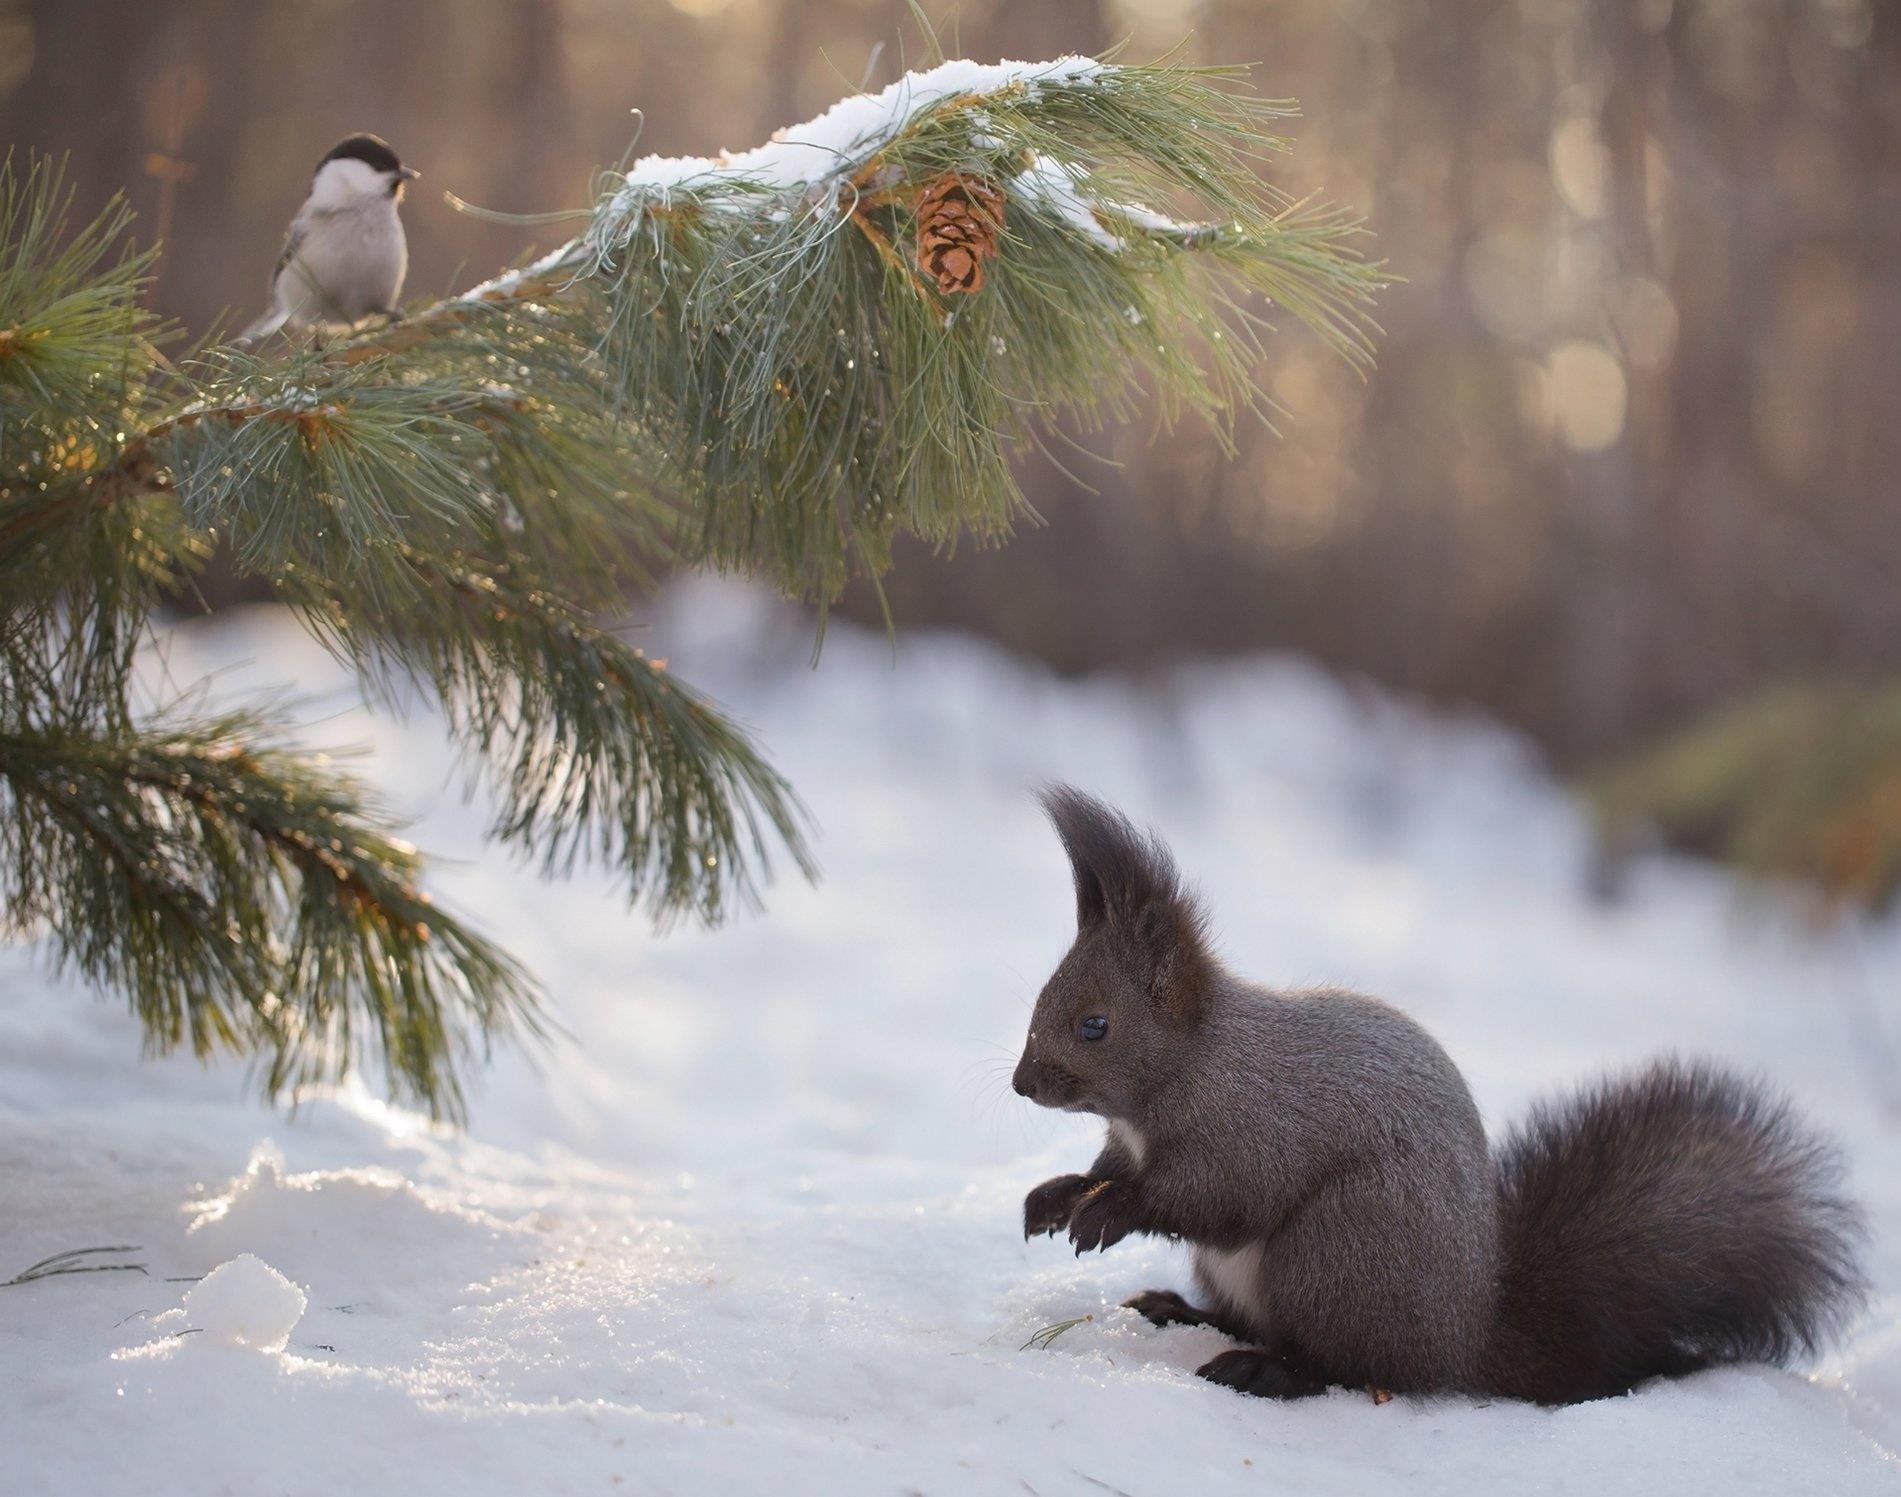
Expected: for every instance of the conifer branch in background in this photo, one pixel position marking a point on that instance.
(777, 362)
(1798, 782)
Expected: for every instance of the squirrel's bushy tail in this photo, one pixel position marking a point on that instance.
(1660, 1223)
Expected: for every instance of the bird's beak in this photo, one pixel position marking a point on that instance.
(408, 173)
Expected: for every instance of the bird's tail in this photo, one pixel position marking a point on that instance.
(269, 323)
(1660, 1223)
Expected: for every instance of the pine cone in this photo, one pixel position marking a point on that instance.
(958, 221)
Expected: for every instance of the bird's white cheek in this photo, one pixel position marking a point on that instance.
(345, 180)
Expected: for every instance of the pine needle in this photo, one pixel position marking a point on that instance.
(67, 1263)
(1045, 1337)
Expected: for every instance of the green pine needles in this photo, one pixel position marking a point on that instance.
(758, 363)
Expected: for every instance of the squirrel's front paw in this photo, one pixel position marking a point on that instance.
(1105, 1216)
(1046, 1209)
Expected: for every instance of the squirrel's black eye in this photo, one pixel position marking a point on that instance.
(1094, 1027)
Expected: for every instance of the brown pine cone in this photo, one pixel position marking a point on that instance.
(958, 221)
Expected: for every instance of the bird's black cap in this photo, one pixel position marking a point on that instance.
(372, 150)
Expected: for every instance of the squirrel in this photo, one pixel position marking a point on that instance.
(1325, 1161)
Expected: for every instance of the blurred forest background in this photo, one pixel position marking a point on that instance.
(1632, 454)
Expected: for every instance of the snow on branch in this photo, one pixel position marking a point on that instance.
(831, 147)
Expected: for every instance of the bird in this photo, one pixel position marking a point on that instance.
(345, 255)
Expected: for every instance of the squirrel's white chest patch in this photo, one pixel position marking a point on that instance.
(1131, 1140)
(1233, 1276)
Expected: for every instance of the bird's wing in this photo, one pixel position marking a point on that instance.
(279, 313)
(293, 242)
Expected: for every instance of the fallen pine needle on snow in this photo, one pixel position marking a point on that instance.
(1042, 1337)
(63, 1263)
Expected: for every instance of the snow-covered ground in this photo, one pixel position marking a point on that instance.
(752, 1224)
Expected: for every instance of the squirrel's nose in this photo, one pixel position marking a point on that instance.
(1020, 1082)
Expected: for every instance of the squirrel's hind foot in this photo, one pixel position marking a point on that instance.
(1263, 1374)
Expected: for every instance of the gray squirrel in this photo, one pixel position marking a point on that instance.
(1350, 1225)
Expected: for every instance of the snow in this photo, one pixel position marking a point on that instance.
(751, 1221)
(563, 257)
(244, 1302)
(854, 127)
(1051, 185)
(1061, 191)
(821, 152)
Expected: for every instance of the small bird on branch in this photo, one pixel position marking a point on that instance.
(345, 255)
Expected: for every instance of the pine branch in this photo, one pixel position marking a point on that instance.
(592, 751)
(827, 401)
(245, 898)
(73, 336)
(802, 392)
(76, 350)
(547, 279)
(778, 362)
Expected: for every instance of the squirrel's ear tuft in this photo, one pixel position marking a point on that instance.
(1127, 877)
(1114, 865)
